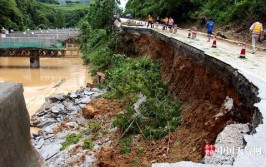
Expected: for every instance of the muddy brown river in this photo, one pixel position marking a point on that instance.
(56, 75)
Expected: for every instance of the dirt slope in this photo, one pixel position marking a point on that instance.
(203, 94)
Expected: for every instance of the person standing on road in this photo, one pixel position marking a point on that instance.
(170, 23)
(158, 19)
(257, 33)
(150, 21)
(165, 22)
(157, 22)
(193, 32)
(210, 28)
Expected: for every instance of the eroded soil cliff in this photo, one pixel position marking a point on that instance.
(203, 92)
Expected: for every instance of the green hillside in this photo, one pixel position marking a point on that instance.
(226, 11)
(24, 14)
(72, 1)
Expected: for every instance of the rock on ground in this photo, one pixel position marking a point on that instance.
(59, 116)
(88, 112)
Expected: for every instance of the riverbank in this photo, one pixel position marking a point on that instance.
(60, 118)
(55, 75)
(192, 75)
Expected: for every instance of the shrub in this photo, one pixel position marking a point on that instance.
(98, 49)
(127, 78)
(140, 151)
(87, 144)
(125, 145)
(93, 126)
(71, 138)
(135, 162)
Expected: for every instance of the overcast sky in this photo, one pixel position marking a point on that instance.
(123, 3)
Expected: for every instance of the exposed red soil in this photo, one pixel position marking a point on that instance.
(202, 94)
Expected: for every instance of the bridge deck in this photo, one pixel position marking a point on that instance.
(38, 39)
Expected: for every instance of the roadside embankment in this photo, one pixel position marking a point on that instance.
(215, 94)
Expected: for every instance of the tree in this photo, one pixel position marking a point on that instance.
(11, 17)
(101, 13)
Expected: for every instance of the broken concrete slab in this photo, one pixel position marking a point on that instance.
(228, 145)
(40, 143)
(85, 100)
(46, 123)
(49, 151)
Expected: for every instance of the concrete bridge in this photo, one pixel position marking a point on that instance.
(40, 43)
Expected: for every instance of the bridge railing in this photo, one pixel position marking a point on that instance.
(30, 42)
(61, 37)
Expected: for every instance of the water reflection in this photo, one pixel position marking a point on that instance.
(56, 75)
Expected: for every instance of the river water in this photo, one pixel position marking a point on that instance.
(56, 75)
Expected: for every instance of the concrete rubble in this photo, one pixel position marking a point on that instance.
(228, 144)
(56, 110)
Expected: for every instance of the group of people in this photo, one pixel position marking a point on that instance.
(256, 28)
(168, 23)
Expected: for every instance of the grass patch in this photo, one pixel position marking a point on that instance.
(126, 79)
(68, 7)
(125, 145)
(140, 151)
(135, 162)
(98, 49)
(87, 144)
(94, 126)
(71, 138)
(105, 132)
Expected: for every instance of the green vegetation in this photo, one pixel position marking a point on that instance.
(135, 162)
(105, 132)
(182, 10)
(10, 14)
(92, 128)
(34, 14)
(74, 138)
(234, 11)
(24, 14)
(71, 138)
(73, 13)
(127, 77)
(49, 1)
(87, 144)
(98, 49)
(97, 41)
(125, 145)
(69, 8)
(140, 151)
